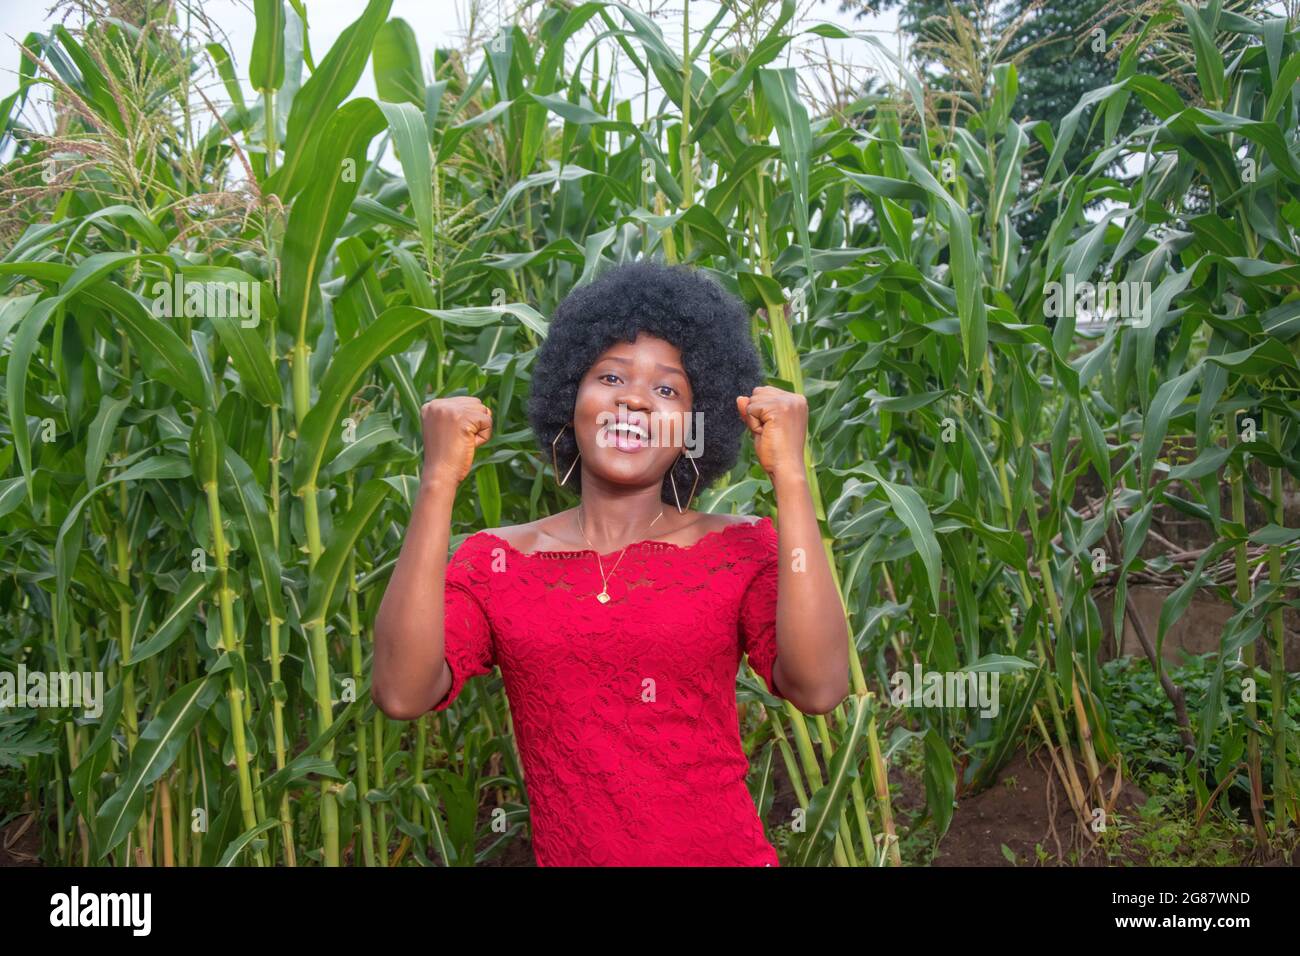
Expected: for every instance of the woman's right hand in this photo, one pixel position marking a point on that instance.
(453, 428)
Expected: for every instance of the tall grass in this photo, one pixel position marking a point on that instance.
(205, 504)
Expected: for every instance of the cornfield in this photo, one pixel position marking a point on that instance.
(220, 315)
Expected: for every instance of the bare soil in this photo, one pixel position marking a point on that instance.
(20, 842)
(1024, 810)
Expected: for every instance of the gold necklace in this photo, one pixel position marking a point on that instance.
(603, 596)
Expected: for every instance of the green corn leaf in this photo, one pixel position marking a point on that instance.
(940, 781)
(16, 381)
(399, 77)
(244, 841)
(266, 68)
(240, 488)
(912, 512)
(319, 98)
(318, 214)
(1209, 62)
(241, 336)
(318, 433)
(406, 123)
(179, 616)
(327, 571)
(1169, 396)
(159, 744)
(824, 812)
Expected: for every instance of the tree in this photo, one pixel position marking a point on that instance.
(1059, 47)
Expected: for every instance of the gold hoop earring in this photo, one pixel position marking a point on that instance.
(694, 485)
(555, 462)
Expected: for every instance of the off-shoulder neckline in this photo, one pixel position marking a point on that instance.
(635, 544)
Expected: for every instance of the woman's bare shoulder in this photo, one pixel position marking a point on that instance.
(726, 520)
(541, 535)
(517, 535)
(530, 536)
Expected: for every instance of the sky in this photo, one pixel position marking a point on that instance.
(445, 22)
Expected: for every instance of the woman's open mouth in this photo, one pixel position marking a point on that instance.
(626, 437)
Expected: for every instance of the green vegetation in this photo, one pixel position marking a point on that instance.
(204, 503)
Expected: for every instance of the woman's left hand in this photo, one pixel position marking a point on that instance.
(779, 422)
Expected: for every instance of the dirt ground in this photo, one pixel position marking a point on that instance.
(20, 844)
(1025, 809)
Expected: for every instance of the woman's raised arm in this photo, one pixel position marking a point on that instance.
(409, 673)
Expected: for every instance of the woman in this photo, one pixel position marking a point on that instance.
(619, 624)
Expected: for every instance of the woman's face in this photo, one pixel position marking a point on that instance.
(632, 408)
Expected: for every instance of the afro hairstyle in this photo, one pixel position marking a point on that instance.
(678, 304)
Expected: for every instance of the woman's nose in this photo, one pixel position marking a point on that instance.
(634, 397)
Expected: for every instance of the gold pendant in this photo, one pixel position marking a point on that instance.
(603, 597)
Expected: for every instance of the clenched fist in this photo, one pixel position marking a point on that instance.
(778, 421)
(453, 428)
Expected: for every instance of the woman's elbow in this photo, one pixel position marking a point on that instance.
(390, 706)
(397, 711)
(823, 705)
(827, 699)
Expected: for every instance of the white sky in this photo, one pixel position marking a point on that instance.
(444, 23)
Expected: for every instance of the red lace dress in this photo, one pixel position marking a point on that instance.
(625, 713)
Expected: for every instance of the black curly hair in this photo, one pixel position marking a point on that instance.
(678, 304)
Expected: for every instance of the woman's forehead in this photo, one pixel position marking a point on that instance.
(645, 343)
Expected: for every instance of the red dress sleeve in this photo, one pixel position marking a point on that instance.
(758, 609)
(468, 644)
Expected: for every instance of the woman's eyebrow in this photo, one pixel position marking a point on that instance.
(673, 369)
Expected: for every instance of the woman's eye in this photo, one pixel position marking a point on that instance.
(667, 391)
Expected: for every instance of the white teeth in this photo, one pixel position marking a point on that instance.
(636, 430)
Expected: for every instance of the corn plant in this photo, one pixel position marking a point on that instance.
(222, 313)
